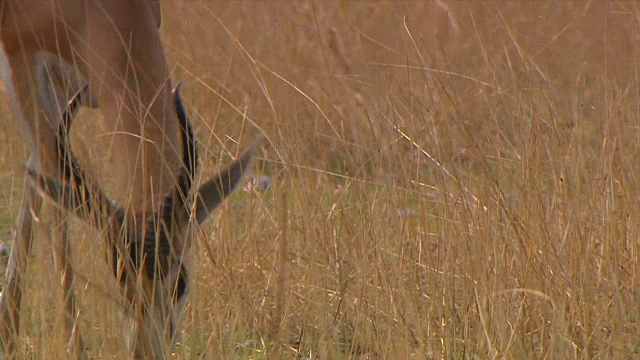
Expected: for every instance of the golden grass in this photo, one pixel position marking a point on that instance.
(446, 184)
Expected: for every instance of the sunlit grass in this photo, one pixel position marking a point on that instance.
(460, 186)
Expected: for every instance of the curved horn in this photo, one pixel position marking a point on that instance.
(66, 161)
(71, 110)
(190, 159)
(73, 193)
(211, 193)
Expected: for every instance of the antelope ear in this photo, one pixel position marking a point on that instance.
(89, 205)
(214, 191)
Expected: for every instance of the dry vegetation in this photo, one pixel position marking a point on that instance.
(445, 184)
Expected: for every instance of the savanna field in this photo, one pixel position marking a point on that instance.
(456, 180)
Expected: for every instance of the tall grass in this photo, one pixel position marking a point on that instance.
(449, 181)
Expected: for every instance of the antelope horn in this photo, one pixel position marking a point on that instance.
(216, 189)
(190, 157)
(74, 193)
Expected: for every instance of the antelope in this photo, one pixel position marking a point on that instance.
(56, 56)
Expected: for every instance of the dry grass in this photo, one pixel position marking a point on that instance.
(445, 185)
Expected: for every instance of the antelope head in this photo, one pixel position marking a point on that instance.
(150, 256)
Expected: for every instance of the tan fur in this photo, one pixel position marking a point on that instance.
(115, 46)
(51, 49)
